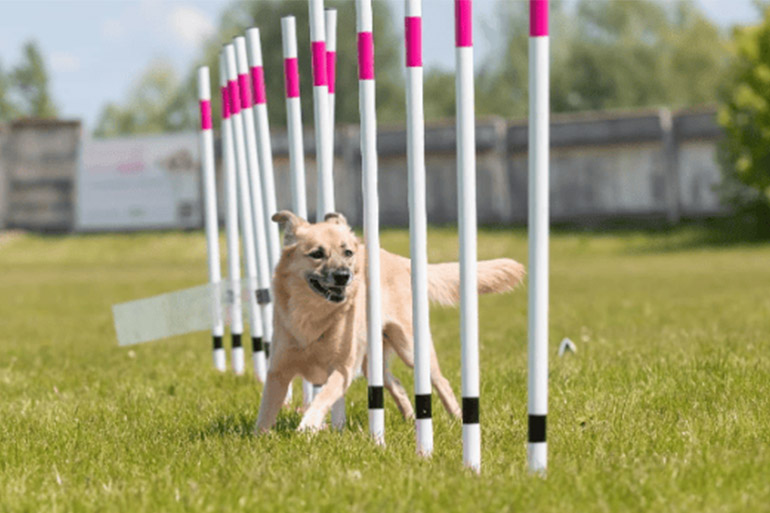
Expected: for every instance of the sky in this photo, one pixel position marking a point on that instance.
(95, 50)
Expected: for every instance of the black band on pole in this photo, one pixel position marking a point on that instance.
(256, 344)
(422, 406)
(470, 410)
(217, 341)
(237, 340)
(263, 296)
(536, 429)
(266, 346)
(376, 398)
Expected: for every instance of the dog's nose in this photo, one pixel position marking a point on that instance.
(341, 276)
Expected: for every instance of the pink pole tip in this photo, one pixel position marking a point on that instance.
(365, 56)
(318, 49)
(205, 114)
(291, 70)
(463, 23)
(235, 99)
(258, 82)
(413, 32)
(331, 70)
(243, 85)
(538, 18)
(225, 103)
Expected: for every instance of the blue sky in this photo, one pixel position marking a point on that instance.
(96, 49)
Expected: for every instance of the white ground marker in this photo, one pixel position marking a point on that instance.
(231, 221)
(296, 139)
(252, 187)
(210, 208)
(415, 148)
(244, 195)
(266, 174)
(366, 88)
(537, 382)
(466, 186)
(330, 16)
(325, 182)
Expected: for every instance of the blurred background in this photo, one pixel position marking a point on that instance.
(661, 110)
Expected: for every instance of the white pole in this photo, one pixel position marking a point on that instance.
(210, 208)
(256, 212)
(338, 408)
(259, 109)
(231, 221)
(296, 142)
(325, 181)
(331, 70)
(244, 196)
(537, 382)
(415, 149)
(366, 88)
(466, 186)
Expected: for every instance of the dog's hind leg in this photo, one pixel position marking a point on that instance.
(395, 388)
(442, 386)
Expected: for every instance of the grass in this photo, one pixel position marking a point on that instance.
(665, 406)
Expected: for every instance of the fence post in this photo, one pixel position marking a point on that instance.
(670, 166)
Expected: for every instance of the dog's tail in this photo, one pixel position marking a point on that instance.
(494, 276)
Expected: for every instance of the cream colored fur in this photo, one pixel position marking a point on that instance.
(320, 327)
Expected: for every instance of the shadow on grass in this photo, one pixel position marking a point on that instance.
(242, 426)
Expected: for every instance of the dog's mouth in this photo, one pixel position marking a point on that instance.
(331, 293)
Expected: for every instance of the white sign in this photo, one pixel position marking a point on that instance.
(139, 183)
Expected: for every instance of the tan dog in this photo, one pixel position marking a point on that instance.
(320, 314)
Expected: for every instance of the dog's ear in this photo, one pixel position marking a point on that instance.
(289, 222)
(336, 218)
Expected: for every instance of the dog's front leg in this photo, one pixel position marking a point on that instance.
(273, 396)
(334, 388)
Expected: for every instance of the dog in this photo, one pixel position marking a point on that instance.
(320, 315)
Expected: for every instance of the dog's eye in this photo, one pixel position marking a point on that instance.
(348, 253)
(317, 254)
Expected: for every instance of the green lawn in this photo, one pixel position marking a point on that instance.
(665, 406)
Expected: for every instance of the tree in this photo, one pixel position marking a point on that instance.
(745, 117)
(148, 105)
(181, 105)
(30, 82)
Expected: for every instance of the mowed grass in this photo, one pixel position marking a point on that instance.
(665, 406)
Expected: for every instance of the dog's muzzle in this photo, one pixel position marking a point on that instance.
(332, 286)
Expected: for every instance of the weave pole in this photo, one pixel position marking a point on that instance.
(231, 221)
(244, 201)
(418, 225)
(330, 16)
(296, 138)
(251, 187)
(266, 174)
(366, 89)
(210, 209)
(325, 181)
(537, 382)
(466, 186)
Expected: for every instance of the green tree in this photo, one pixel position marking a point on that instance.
(148, 105)
(181, 103)
(8, 109)
(745, 117)
(30, 83)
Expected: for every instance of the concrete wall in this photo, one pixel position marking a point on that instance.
(40, 158)
(603, 165)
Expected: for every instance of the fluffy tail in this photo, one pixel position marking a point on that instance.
(495, 276)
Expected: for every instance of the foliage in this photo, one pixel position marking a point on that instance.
(745, 118)
(182, 104)
(663, 408)
(607, 54)
(24, 89)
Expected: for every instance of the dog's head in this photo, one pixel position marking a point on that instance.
(324, 254)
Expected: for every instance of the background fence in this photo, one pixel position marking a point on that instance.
(603, 166)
